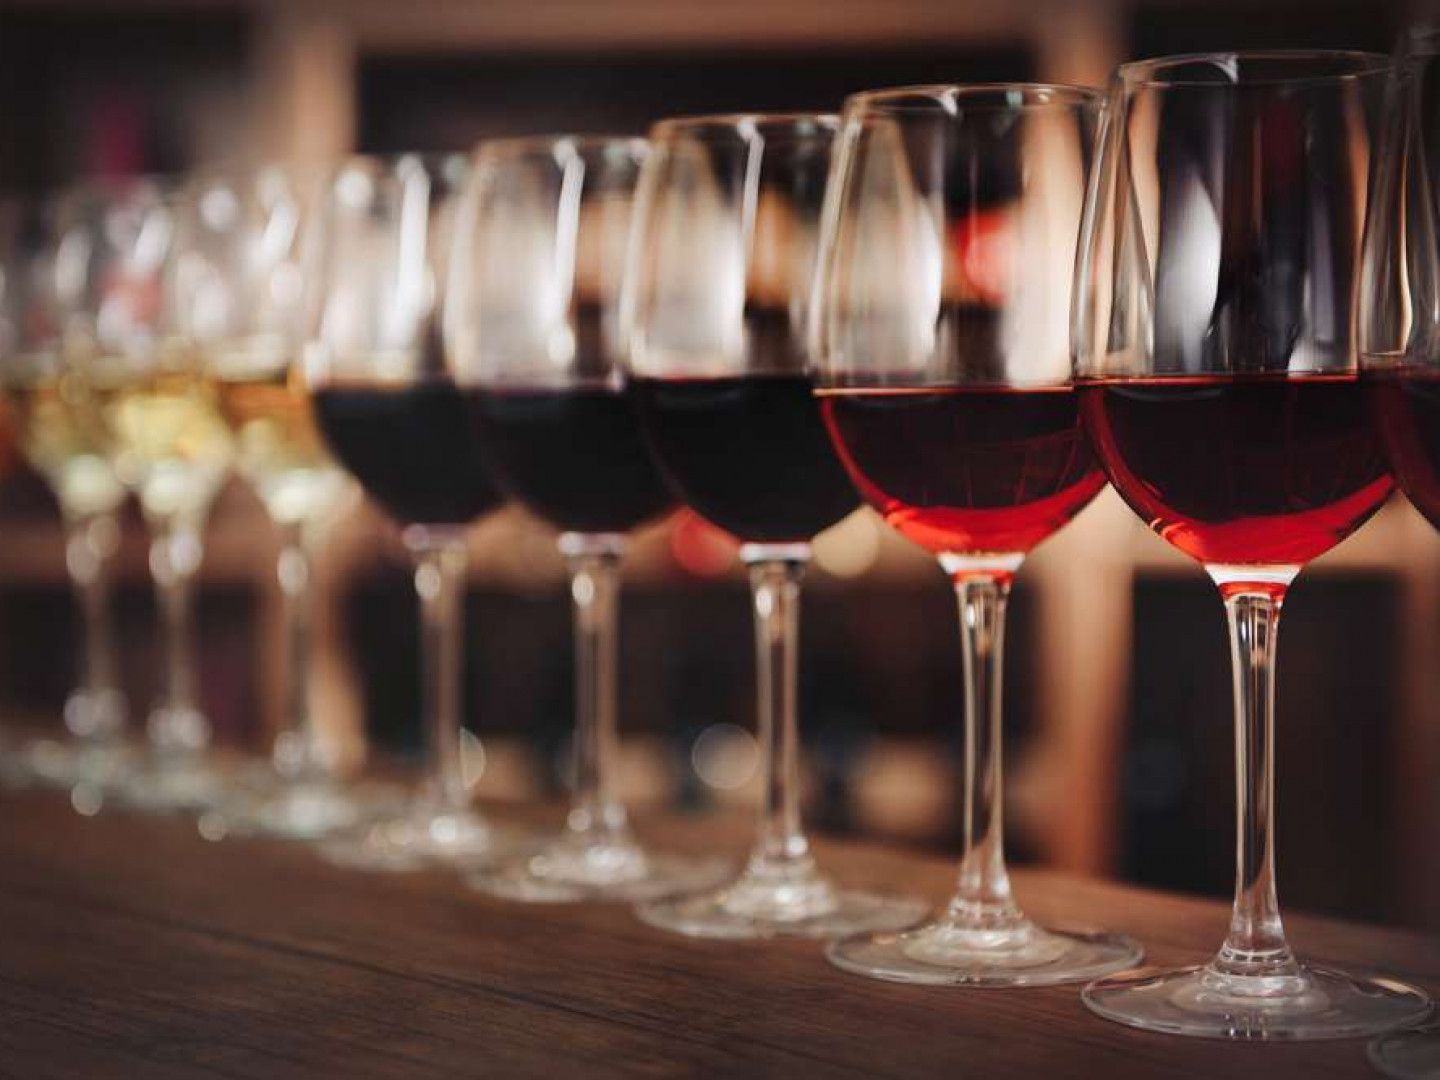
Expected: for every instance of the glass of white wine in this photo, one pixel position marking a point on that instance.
(166, 440)
(59, 433)
(242, 249)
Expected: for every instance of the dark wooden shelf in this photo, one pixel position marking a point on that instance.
(131, 947)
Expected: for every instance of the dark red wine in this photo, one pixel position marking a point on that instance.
(574, 456)
(1241, 470)
(967, 470)
(747, 453)
(413, 448)
(1407, 414)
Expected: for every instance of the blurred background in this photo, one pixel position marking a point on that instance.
(1119, 748)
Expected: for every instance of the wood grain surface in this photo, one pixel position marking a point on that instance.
(131, 947)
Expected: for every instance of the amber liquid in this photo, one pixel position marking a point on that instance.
(278, 446)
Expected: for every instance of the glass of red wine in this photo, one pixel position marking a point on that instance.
(1400, 346)
(716, 300)
(395, 420)
(943, 366)
(1214, 337)
(532, 331)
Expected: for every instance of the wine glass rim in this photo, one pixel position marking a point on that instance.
(1001, 96)
(509, 147)
(763, 123)
(1362, 65)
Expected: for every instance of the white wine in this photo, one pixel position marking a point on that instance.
(168, 440)
(278, 448)
(62, 434)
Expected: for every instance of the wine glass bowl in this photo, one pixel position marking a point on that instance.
(1215, 342)
(941, 333)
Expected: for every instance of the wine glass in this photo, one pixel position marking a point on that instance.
(1214, 336)
(942, 358)
(716, 295)
(59, 430)
(242, 243)
(533, 336)
(165, 437)
(395, 420)
(1399, 331)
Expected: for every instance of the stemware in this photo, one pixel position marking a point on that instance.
(240, 298)
(1399, 330)
(1214, 334)
(942, 357)
(716, 296)
(59, 430)
(166, 440)
(532, 332)
(395, 420)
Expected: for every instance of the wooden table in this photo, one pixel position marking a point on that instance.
(131, 947)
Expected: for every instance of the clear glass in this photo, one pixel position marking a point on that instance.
(395, 420)
(245, 245)
(1214, 329)
(59, 432)
(531, 326)
(116, 274)
(1400, 345)
(715, 303)
(941, 331)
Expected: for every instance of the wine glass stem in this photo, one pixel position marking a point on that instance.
(983, 899)
(1256, 943)
(175, 553)
(297, 753)
(781, 849)
(593, 562)
(88, 549)
(440, 584)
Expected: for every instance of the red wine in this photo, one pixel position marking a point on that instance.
(1265, 470)
(1407, 413)
(574, 456)
(412, 447)
(747, 453)
(967, 470)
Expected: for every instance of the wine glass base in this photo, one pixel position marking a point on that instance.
(65, 764)
(171, 783)
(568, 870)
(1408, 1055)
(1199, 1001)
(745, 910)
(306, 810)
(419, 840)
(944, 953)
